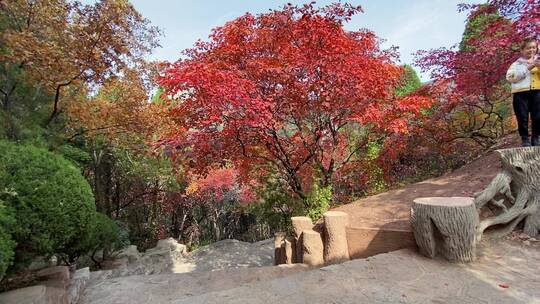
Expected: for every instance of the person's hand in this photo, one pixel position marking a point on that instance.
(532, 64)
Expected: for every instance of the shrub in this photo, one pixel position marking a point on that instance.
(105, 234)
(277, 207)
(7, 245)
(52, 202)
(318, 201)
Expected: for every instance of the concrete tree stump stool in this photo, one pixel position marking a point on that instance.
(336, 249)
(289, 252)
(312, 248)
(300, 223)
(445, 226)
(279, 249)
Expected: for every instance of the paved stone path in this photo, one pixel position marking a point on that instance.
(506, 272)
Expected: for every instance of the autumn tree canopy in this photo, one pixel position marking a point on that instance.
(289, 92)
(57, 43)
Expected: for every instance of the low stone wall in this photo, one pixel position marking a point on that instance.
(335, 240)
(57, 285)
(366, 242)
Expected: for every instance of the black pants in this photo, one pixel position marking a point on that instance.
(525, 103)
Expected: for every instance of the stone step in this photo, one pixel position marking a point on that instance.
(168, 288)
(169, 257)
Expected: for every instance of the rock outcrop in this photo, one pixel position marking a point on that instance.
(56, 285)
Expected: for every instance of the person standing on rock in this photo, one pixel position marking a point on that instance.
(524, 75)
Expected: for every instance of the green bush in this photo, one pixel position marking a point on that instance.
(105, 234)
(318, 201)
(7, 245)
(52, 202)
(277, 207)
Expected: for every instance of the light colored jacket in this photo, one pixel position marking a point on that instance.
(521, 78)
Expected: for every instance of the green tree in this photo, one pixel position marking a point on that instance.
(477, 24)
(409, 83)
(7, 245)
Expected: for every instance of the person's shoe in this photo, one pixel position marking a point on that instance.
(535, 140)
(525, 141)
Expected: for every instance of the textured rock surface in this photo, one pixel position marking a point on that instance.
(57, 286)
(164, 258)
(38, 294)
(300, 223)
(77, 284)
(231, 254)
(289, 252)
(57, 276)
(169, 288)
(279, 249)
(402, 276)
(29, 295)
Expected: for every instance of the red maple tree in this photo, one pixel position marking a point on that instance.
(289, 92)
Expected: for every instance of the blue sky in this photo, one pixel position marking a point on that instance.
(409, 24)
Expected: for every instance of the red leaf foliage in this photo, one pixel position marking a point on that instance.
(469, 87)
(281, 92)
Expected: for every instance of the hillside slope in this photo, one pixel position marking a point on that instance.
(392, 208)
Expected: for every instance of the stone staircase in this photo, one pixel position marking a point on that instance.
(171, 288)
